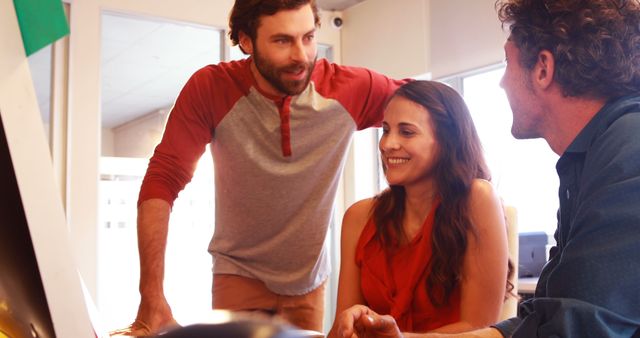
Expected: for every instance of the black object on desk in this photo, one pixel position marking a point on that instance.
(532, 255)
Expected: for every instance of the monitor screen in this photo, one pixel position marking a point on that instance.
(24, 311)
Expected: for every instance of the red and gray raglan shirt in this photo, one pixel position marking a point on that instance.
(277, 162)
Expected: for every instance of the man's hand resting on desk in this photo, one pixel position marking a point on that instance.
(153, 317)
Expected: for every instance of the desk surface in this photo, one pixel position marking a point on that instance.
(527, 284)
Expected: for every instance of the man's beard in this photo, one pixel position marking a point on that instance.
(273, 74)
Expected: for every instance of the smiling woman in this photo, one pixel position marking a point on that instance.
(431, 249)
(408, 145)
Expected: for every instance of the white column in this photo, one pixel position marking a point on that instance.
(84, 136)
(59, 104)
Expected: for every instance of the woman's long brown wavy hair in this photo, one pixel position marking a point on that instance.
(459, 161)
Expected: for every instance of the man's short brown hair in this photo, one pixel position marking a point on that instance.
(245, 15)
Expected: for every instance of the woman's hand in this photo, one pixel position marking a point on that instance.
(361, 322)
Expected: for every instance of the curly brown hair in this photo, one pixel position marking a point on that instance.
(595, 43)
(245, 15)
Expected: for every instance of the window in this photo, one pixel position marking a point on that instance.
(187, 278)
(145, 63)
(523, 171)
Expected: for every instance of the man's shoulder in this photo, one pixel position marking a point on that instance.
(627, 122)
(325, 70)
(347, 83)
(232, 78)
(613, 154)
(622, 113)
(224, 71)
(623, 121)
(621, 135)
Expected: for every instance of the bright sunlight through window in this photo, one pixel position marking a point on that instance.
(523, 171)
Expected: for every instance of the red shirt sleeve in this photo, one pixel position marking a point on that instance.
(200, 106)
(363, 92)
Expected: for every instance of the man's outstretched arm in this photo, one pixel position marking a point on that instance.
(154, 313)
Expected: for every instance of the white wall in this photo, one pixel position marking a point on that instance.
(391, 37)
(138, 138)
(407, 38)
(107, 142)
(465, 35)
(330, 35)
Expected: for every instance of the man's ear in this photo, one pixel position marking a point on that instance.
(246, 44)
(544, 69)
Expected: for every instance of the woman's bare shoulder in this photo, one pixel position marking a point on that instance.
(357, 215)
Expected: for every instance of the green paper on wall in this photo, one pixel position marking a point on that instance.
(41, 22)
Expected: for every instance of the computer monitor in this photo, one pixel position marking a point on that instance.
(41, 293)
(24, 311)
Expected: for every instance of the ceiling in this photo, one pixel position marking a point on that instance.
(145, 63)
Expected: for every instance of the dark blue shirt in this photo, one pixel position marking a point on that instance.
(591, 285)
